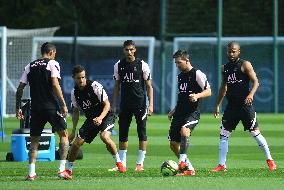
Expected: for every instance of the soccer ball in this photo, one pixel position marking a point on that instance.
(169, 168)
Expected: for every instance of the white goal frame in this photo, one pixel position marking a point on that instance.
(3, 35)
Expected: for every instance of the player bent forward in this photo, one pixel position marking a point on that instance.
(93, 101)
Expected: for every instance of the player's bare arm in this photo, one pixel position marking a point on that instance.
(150, 96)
(221, 95)
(115, 94)
(19, 95)
(205, 93)
(171, 113)
(248, 69)
(75, 119)
(58, 91)
(98, 120)
(205, 86)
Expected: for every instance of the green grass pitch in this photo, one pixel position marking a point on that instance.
(246, 164)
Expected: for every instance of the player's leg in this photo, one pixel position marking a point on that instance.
(86, 133)
(123, 146)
(33, 151)
(141, 156)
(250, 123)
(37, 124)
(59, 125)
(184, 144)
(111, 147)
(262, 143)
(175, 146)
(175, 143)
(187, 126)
(73, 152)
(106, 129)
(141, 119)
(223, 150)
(125, 118)
(174, 137)
(229, 122)
(63, 149)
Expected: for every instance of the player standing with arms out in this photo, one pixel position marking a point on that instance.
(92, 99)
(131, 74)
(42, 75)
(192, 86)
(237, 74)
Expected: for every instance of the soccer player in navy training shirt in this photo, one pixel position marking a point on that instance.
(131, 74)
(192, 86)
(237, 74)
(42, 75)
(91, 98)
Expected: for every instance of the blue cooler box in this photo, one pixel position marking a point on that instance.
(20, 142)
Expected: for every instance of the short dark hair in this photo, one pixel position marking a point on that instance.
(181, 53)
(128, 43)
(233, 43)
(77, 69)
(47, 47)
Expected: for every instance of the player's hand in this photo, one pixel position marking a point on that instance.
(113, 109)
(150, 110)
(193, 97)
(249, 100)
(64, 111)
(71, 136)
(97, 121)
(170, 115)
(19, 114)
(216, 112)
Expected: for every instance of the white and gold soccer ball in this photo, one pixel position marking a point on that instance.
(169, 168)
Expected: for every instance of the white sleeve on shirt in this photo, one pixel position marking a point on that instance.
(146, 71)
(24, 78)
(73, 99)
(202, 80)
(115, 71)
(54, 67)
(99, 91)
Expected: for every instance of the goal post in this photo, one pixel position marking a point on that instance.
(15, 55)
(3, 35)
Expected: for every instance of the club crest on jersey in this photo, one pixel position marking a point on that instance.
(86, 104)
(233, 79)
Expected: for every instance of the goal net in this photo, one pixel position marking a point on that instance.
(16, 53)
(97, 54)
(257, 50)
